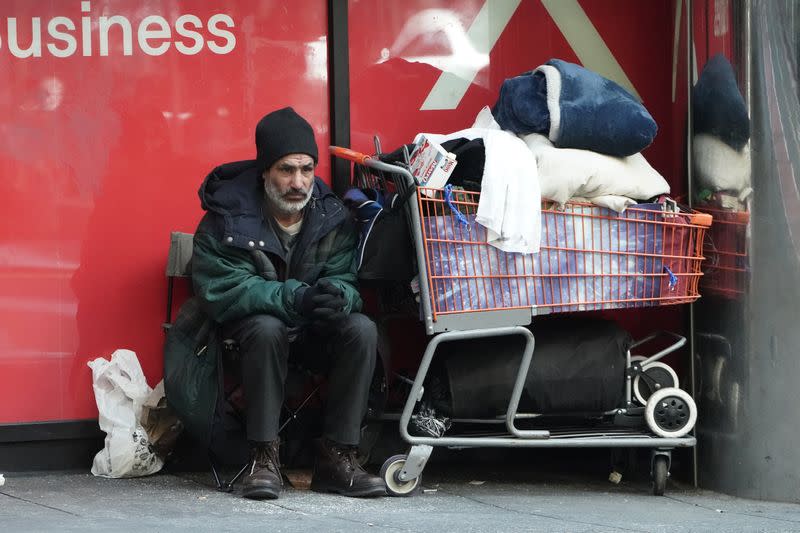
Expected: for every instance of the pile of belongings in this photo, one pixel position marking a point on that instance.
(586, 133)
(559, 132)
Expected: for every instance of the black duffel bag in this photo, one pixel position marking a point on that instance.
(578, 366)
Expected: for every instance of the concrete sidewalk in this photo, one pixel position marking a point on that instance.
(484, 499)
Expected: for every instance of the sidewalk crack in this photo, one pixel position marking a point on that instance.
(40, 504)
(343, 519)
(733, 512)
(540, 515)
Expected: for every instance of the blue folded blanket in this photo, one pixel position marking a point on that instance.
(718, 108)
(575, 108)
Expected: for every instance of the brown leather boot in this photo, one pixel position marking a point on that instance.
(264, 481)
(337, 470)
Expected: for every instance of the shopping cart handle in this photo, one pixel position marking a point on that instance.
(347, 153)
(701, 219)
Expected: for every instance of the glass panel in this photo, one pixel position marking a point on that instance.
(106, 132)
(746, 166)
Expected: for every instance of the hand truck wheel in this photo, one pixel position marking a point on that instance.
(670, 413)
(660, 474)
(661, 373)
(394, 486)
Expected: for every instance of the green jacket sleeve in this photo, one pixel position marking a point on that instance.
(340, 268)
(230, 288)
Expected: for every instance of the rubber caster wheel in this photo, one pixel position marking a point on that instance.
(660, 474)
(670, 413)
(390, 470)
(661, 373)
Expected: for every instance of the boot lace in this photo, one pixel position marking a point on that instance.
(266, 456)
(350, 456)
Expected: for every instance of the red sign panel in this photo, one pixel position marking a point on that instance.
(111, 114)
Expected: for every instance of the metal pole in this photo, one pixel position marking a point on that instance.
(747, 52)
(690, 190)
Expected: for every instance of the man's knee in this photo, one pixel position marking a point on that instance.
(262, 331)
(359, 328)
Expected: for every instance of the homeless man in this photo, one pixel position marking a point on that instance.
(274, 264)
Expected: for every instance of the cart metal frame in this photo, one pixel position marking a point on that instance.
(483, 324)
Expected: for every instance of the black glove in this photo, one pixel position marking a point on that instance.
(328, 315)
(326, 321)
(321, 300)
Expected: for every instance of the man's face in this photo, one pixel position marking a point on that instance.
(288, 183)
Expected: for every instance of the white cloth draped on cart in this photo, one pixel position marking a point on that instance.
(510, 201)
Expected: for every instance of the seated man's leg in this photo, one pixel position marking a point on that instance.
(351, 352)
(263, 350)
(352, 362)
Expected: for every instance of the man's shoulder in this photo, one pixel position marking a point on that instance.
(211, 224)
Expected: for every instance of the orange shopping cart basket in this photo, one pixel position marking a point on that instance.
(591, 258)
(727, 264)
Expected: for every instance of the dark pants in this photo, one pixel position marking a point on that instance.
(346, 357)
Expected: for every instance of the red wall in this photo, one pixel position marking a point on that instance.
(101, 157)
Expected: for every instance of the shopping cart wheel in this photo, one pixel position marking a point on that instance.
(670, 412)
(389, 472)
(659, 372)
(660, 474)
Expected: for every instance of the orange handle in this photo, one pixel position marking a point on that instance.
(700, 219)
(347, 153)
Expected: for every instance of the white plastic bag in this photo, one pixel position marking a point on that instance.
(120, 389)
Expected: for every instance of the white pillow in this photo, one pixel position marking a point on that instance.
(611, 201)
(567, 172)
(719, 167)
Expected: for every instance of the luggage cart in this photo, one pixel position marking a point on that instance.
(590, 259)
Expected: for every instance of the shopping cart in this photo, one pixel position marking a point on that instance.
(590, 259)
(727, 264)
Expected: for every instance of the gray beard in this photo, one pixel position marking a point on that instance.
(277, 202)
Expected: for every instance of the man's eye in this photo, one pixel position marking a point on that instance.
(308, 169)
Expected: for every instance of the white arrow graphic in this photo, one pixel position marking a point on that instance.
(492, 19)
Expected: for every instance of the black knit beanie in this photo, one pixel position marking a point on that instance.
(281, 133)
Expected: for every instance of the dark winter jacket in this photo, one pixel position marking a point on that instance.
(239, 269)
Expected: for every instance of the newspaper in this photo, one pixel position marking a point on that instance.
(430, 164)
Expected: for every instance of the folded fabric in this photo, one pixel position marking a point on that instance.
(575, 108)
(471, 157)
(565, 173)
(510, 203)
(718, 108)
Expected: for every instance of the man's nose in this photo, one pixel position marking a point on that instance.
(298, 180)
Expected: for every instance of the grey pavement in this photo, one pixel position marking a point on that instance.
(457, 498)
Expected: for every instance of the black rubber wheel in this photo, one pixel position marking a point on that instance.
(672, 414)
(660, 474)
